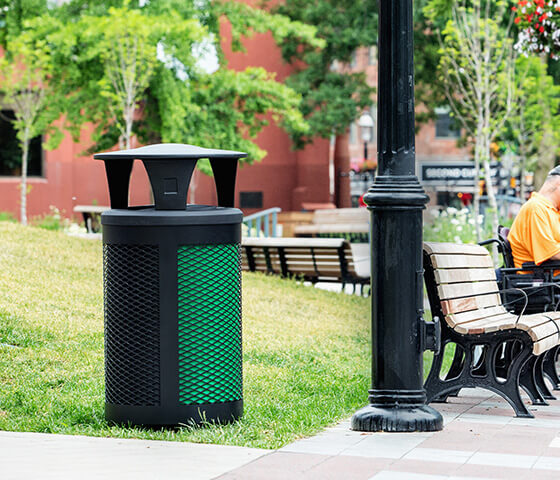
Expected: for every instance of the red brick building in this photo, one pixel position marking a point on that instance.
(285, 178)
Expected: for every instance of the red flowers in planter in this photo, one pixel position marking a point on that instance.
(539, 21)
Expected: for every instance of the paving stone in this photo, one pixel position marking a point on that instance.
(26, 455)
(276, 466)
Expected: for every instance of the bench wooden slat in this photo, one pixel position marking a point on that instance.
(273, 242)
(503, 317)
(502, 322)
(459, 318)
(448, 291)
(461, 261)
(540, 329)
(465, 275)
(533, 320)
(545, 344)
(454, 249)
(543, 331)
(471, 303)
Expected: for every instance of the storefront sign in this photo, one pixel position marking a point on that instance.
(453, 174)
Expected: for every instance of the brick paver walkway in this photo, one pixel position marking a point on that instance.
(481, 440)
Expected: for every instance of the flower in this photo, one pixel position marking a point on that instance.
(539, 23)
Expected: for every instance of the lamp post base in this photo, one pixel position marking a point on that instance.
(397, 418)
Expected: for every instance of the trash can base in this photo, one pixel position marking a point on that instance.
(173, 416)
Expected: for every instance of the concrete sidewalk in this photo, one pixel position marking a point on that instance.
(481, 440)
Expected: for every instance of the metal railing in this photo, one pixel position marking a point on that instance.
(267, 218)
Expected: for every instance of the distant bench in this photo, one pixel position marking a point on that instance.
(91, 215)
(312, 259)
(353, 223)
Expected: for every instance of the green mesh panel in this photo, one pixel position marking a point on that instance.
(209, 281)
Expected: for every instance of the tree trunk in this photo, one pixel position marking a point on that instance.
(342, 193)
(23, 185)
(129, 115)
(492, 209)
(476, 192)
(546, 159)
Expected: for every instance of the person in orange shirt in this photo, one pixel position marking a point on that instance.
(535, 233)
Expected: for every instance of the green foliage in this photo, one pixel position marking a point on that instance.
(286, 30)
(332, 98)
(7, 217)
(534, 127)
(125, 41)
(175, 100)
(224, 108)
(50, 221)
(26, 71)
(14, 13)
(429, 92)
(455, 226)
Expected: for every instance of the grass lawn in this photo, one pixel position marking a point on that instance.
(306, 351)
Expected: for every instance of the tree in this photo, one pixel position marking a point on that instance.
(13, 14)
(332, 98)
(477, 67)
(126, 42)
(25, 71)
(534, 126)
(179, 101)
(428, 90)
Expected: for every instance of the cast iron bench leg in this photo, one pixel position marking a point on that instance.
(549, 368)
(528, 383)
(539, 379)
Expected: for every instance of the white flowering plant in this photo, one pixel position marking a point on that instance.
(539, 23)
(455, 225)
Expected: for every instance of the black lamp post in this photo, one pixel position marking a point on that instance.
(396, 200)
(366, 125)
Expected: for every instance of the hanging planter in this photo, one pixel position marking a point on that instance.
(539, 23)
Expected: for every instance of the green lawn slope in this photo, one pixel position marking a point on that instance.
(306, 351)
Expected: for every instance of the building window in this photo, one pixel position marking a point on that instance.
(353, 59)
(353, 133)
(251, 199)
(10, 151)
(372, 55)
(445, 124)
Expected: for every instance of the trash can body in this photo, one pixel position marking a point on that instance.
(172, 286)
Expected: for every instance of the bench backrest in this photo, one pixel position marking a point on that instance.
(461, 283)
(309, 258)
(341, 215)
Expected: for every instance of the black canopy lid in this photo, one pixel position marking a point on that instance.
(170, 167)
(164, 151)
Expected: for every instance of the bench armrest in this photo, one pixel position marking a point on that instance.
(488, 242)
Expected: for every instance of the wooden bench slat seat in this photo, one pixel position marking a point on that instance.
(336, 221)
(461, 275)
(464, 294)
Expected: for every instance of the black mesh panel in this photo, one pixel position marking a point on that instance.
(132, 344)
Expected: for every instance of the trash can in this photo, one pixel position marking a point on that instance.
(172, 292)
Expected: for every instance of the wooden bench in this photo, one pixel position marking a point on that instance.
(91, 215)
(494, 349)
(351, 221)
(312, 259)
